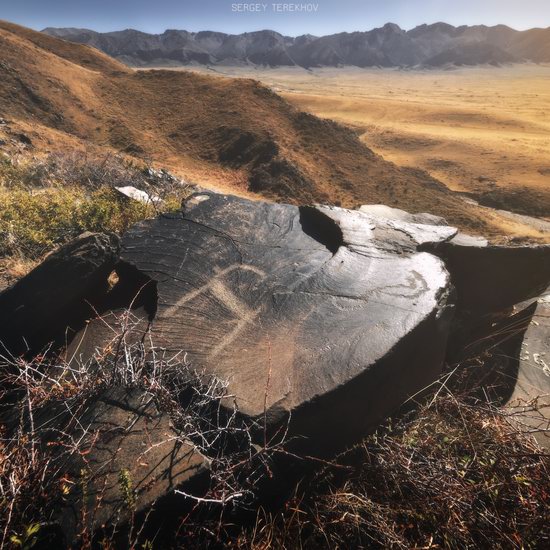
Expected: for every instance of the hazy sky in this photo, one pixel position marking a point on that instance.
(329, 17)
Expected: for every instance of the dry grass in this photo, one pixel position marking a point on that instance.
(478, 130)
(34, 483)
(47, 201)
(13, 268)
(33, 223)
(456, 472)
(472, 128)
(456, 475)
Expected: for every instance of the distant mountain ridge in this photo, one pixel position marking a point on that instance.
(433, 45)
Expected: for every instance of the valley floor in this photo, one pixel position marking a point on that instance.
(482, 131)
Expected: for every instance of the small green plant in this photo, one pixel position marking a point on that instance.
(28, 539)
(21, 174)
(33, 222)
(48, 201)
(126, 488)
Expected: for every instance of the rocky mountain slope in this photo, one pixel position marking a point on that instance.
(427, 45)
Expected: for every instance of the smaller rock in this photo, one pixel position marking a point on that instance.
(56, 295)
(462, 239)
(533, 378)
(24, 138)
(138, 195)
(383, 211)
(161, 177)
(491, 278)
(130, 458)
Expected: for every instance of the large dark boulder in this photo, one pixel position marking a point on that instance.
(327, 318)
(322, 317)
(57, 297)
(322, 321)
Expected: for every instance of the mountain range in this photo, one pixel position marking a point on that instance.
(433, 45)
(58, 96)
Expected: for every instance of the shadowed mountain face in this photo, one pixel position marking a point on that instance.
(427, 45)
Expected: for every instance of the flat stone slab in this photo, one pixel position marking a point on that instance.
(138, 195)
(491, 278)
(329, 316)
(383, 211)
(488, 278)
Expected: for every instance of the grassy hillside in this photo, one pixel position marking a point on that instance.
(234, 135)
(457, 472)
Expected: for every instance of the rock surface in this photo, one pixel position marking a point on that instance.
(138, 195)
(328, 316)
(383, 211)
(493, 278)
(322, 321)
(322, 317)
(56, 295)
(488, 278)
(533, 377)
(129, 457)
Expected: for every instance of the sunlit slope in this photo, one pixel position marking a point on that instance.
(234, 134)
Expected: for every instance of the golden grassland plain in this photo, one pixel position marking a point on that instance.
(475, 129)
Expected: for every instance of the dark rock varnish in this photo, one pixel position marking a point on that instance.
(129, 458)
(322, 321)
(325, 318)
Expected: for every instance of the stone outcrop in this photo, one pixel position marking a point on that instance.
(326, 316)
(322, 317)
(492, 278)
(533, 376)
(383, 211)
(57, 297)
(321, 321)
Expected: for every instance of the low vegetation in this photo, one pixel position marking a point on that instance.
(34, 483)
(456, 472)
(49, 201)
(455, 475)
(32, 223)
